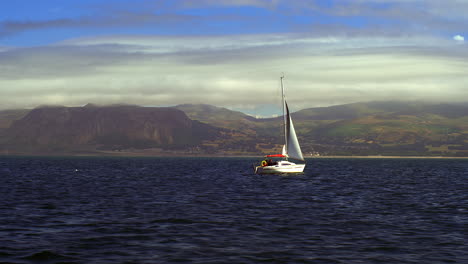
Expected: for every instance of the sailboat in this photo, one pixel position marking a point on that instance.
(291, 148)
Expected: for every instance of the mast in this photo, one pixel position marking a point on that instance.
(284, 115)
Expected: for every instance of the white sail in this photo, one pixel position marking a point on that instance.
(293, 149)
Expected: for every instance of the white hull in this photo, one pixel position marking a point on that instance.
(280, 168)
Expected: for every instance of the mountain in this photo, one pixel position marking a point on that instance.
(359, 110)
(218, 116)
(210, 113)
(8, 116)
(372, 128)
(348, 111)
(366, 128)
(388, 128)
(70, 129)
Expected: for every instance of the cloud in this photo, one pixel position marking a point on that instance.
(347, 17)
(239, 71)
(390, 50)
(158, 15)
(14, 27)
(105, 21)
(211, 3)
(459, 38)
(414, 17)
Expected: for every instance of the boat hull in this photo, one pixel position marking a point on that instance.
(278, 169)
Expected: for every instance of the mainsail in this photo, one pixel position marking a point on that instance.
(292, 148)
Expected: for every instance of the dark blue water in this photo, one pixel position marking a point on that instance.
(203, 210)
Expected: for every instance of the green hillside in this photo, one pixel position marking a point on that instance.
(218, 116)
(373, 128)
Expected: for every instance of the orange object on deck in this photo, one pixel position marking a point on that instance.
(275, 156)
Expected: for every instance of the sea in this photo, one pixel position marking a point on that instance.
(215, 210)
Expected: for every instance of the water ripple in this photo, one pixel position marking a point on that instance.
(155, 210)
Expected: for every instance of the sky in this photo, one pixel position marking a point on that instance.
(231, 53)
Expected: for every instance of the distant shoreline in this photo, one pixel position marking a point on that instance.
(387, 157)
(183, 155)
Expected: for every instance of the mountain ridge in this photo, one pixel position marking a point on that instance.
(366, 128)
(56, 128)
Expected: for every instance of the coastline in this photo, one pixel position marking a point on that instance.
(388, 157)
(144, 154)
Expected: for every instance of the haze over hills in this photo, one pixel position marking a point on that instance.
(372, 128)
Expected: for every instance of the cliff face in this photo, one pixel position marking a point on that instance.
(8, 116)
(106, 128)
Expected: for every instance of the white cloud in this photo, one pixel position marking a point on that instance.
(459, 38)
(233, 71)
